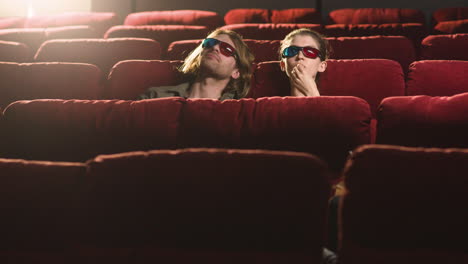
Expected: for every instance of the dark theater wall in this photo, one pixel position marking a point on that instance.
(124, 7)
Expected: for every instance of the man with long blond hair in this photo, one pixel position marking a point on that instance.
(219, 68)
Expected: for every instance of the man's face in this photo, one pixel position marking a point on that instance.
(215, 64)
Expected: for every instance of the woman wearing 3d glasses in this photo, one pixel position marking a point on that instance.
(303, 56)
(219, 68)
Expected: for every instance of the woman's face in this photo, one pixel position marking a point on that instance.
(313, 65)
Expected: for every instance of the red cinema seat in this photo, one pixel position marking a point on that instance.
(397, 48)
(424, 121)
(257, 15)
(269, 207)
(12, 22)
(370, 79)
(128, 79)
(209, 19)
(437, 78)
(34, 37)
(41, 210)
(324, 126)
(164, 34)
(268, 31)
(26, 81)
(104, 53)
(405, 205)
(14, 52)
(445, 47)
(100, 22)
(77, 130)
(377, 21)
(264, 50)
(450, 20)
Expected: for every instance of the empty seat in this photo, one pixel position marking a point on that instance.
(445, 47)
(405, 205)
(209, 19)
(164, 34)
(23, 81)
(375, 16)
(268, 31)
(41, 205)
(268, 207)
(104, 53)
(77, 130)
(12, 22)
(128, 79)
(437, 78)
(14, 52)
(258, 15)
(424, 121)
(34, 37)
(450, 20)
(370, 79)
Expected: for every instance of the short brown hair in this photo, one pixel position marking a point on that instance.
(244, 60)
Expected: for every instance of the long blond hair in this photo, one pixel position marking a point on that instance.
(244, 60)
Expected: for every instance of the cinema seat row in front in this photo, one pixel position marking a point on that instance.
(221, 206)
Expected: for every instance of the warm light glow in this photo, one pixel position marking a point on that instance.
(42, 7)
(30, 11)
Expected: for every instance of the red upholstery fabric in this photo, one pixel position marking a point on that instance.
(264, 50)
(402, 49)
(128, 79)
(445, 47)
(221, 206)
(325, 126)
(34, 37)
(40, 210)
(268, 31)
(100, 22)
(437, 78)
(208, 19)
(452, 27)
(76, 130)
(12, 22)
(405, 205)
(14, 52)
(48, 80)
(164, 34)
(104, 53)
(376, 16)
(424, 121)
(257, 15)
(414, 31)
(449, 14)
(377, 79)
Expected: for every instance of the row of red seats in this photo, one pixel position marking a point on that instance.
(370, 79)
(105, 53)
(327, 126)
(234, 206)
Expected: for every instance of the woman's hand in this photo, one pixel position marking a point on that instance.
(302, 81)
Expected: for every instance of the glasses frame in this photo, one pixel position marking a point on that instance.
(308, 52)
(225, 48)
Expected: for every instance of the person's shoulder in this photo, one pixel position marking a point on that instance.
(180, 90)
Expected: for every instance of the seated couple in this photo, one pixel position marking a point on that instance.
(221, 66)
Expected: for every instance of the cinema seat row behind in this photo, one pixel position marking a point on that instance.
(269, 206)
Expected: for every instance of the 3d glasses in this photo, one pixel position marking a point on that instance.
(309, 52)
(225, 49)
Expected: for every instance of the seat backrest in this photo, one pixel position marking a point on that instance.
(445, 47)
(128, 79)
(26, 81)
(268, 31)
(377, 80)
(450, 14)
(376, 16)
(451, 27)
(12, 22)
(41, 205)
(209, 19)
(14, 52)
(164, 34)
(258, 15)
(405, 205)
(104, 53)
(437, 78)
(423, 121)
(261, 205)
